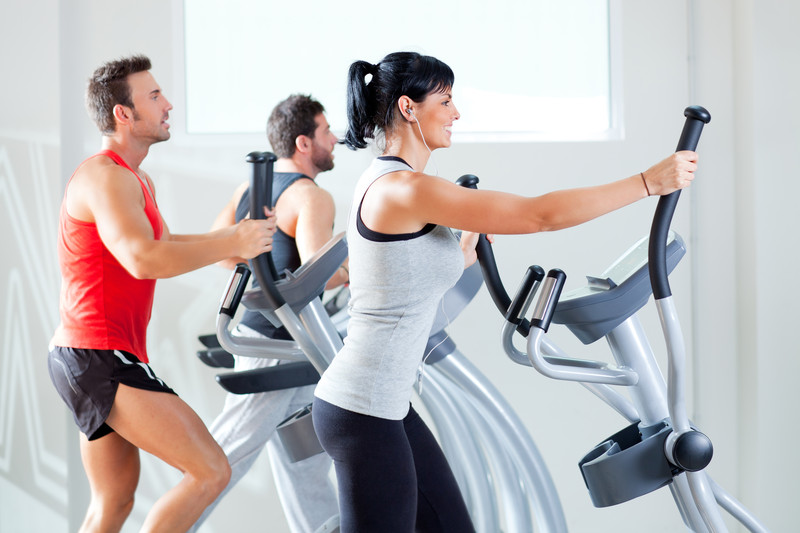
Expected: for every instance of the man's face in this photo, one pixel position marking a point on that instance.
(150, 108)
(322, 144)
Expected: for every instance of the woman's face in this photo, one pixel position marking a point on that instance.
(435, 116)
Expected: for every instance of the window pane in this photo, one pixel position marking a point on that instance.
(521, 66)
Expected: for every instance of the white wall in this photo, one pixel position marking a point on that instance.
(33, 468)
(735, 58)
(767, 136)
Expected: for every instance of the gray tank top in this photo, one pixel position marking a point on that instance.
(396, 283)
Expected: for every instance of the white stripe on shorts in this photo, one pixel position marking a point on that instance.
(146, 367)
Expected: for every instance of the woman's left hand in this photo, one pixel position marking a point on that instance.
(469, 240)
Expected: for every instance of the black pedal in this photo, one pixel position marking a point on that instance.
(279, 377)
(216, 357)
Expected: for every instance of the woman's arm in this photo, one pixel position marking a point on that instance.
(405, 201)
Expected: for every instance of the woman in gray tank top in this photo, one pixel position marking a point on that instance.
(391, 473)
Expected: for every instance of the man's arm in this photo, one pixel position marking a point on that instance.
(112, 198)
(227, 218)
(314, 228)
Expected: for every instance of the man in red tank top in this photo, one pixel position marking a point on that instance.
(113, 244)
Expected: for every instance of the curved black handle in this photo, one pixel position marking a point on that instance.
(236, 287)
(696, 118)
(488, 264)
(260, 196)
(534, 275)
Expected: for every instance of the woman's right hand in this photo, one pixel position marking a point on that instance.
(673, 173)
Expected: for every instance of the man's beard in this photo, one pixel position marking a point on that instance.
(160, 134)
(322, 160)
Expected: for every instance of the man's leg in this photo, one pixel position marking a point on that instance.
(307, 494)
(164, 425)
(112, 466)
(244, 426)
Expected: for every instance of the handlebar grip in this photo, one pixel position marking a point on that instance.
(488, 264)
(546, 305)
(696, 118)
(470, 181)
(236, 287)
(260, 196)
(527, 288)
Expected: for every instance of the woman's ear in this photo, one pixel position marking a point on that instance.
(405, 106)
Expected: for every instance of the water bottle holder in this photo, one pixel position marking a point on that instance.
(626, 466)
(298, 436)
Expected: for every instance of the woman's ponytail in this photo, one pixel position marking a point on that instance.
(360, 108)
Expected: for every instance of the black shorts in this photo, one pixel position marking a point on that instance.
(87, 381)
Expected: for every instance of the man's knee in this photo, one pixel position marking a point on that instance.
(124, 506)
(108, 512)
(214, 475)
(223, 473)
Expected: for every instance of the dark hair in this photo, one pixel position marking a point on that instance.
(371, 104)
(109, 86)
(291, 118)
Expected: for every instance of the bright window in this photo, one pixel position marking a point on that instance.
(525, 69)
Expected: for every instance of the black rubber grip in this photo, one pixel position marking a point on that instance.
(233, 295)
(696, 118)
(260, 196)
(534, 274)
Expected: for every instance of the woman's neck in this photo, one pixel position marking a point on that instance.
(409, 149)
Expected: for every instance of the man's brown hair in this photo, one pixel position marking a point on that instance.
(109, 86)
(290, 119)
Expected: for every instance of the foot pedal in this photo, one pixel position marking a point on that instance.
(279, 377)
(216, 358)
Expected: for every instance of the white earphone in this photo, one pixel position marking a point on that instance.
(419, 127)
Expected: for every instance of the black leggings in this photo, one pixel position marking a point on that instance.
(392, 474)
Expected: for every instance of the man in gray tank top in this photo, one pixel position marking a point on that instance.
(300, 136)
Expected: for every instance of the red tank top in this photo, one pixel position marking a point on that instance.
(102, 306)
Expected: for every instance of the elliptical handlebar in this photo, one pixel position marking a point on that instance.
(565, 368)
(696, 118)
(546, 305)
(527, 288)
(260, 194)
(684, 446)
(235, 289)
(264, 268)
